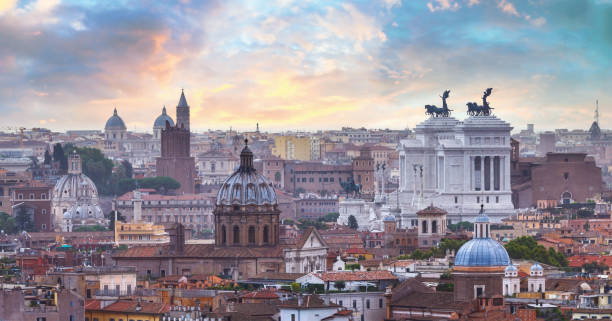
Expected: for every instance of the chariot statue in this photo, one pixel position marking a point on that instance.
(435, 111)
(485, 110)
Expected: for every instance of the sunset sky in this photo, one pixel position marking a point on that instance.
(303, 65)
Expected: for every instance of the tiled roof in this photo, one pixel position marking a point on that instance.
(200, 251)
(579, 260)
(277, 276)
(413, 293)
(356, 276)
(264, 295)
(133, 307)
(356, 251)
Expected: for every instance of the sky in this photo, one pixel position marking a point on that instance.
(303, 65)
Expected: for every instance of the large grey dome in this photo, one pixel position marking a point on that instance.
(245, 186)
(115, 122)
(160, 122)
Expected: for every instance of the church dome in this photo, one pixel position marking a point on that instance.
(115, 122)
(536, 267)
(73, 186)
(246, 186)
(160, 122)
(482, 252)
(511, 268)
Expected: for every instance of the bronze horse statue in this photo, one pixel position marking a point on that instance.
(435, 111)
(485, 110)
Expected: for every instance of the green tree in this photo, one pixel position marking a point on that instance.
(48, 159)
(125, 185)
(296, 287)
(353, 267)
(160, 183)
(128, 170)
(23, 220)
(461, 226)
(60, 157)
(329, 217)
(340, 285)
(526, 247)
(352, 222)
(111, 219)
(7, 223)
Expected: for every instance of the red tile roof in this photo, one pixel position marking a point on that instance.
(133, 307)
(579, 260)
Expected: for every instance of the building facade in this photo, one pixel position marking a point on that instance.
(457, 165)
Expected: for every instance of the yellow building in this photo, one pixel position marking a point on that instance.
(143, 233)
(125, 310)
(292, 147)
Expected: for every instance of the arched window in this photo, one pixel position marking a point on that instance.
(251, 234)
(223, 235)
(266, 235)
(566, 198)
(424, 227)
(236, 234)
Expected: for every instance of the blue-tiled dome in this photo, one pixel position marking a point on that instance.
(482, 252)
(160, 122)
(389, 218)
(115, 122)
(246, 186)
(536, 267)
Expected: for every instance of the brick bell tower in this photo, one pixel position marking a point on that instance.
(176, 160)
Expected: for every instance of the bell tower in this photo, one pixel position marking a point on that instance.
(182, 112)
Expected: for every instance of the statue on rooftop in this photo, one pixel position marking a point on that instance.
(435, 111)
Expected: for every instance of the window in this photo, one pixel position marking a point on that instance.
(367, 303)
(496, 199)
(31, 196)
(236, 233)
(266, 233)
(380, 303)
(477, 199)
(340, 302)
(292, 317)
(354, 304)
(20, 196)
(251, 234)
(223, 235)
(456, 200)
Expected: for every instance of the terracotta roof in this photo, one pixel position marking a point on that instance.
(355, 251)
(579, 260)
(356, 276)
(264, 294)
(136, 307)
(413, 293)
(431, 210)
(277, 276)
(92, 305)
(200, 251)
(250, 309)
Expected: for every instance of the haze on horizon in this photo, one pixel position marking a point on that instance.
(300, 65)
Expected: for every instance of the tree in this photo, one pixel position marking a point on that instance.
(526, 247)
(160, 183)
(23, 220)
(7, 223)
(47, 160)
(352, 222)
(329, 217)
(461, 226)
(296, 287)
(60, 157)
(111, 219)
(340, 285)
(128, 170)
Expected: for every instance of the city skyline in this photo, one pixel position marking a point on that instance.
(303, 66)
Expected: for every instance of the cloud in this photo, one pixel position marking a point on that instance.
(442, 5)
(507, 7)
